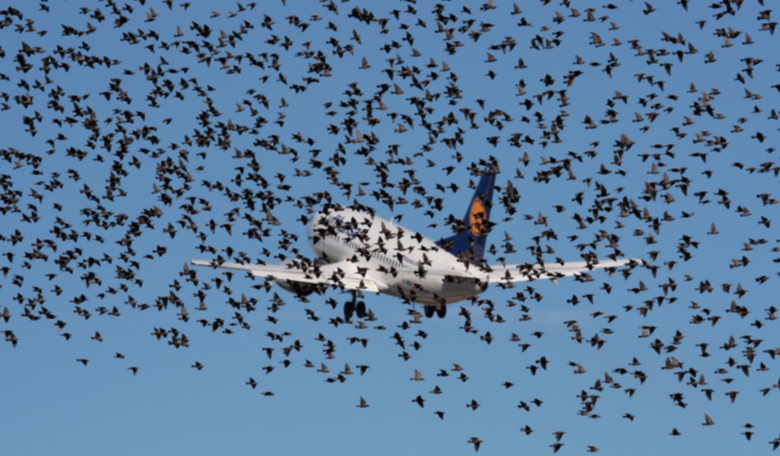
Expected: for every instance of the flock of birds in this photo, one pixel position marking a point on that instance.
(118, 131)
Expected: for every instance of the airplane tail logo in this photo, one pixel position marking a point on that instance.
(477, 216)
(470, 242)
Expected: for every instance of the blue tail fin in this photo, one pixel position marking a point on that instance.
(470, 243)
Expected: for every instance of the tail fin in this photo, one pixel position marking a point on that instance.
(470, 242)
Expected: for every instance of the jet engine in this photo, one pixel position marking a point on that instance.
(300, 289)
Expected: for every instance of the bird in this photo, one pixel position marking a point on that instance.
(476, 442)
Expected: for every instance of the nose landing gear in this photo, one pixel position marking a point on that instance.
(440, 310)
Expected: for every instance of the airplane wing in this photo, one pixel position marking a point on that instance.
(342, 274)
(533, 271)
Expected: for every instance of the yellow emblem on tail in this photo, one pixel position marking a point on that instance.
(477, 216)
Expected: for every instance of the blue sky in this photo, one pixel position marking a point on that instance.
(52, 403)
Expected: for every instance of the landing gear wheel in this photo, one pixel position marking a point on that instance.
(429, 311)
(349, 309)
(361, 309)
(441, 311)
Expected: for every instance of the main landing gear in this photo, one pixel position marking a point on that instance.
(440, 310)
(354, 306)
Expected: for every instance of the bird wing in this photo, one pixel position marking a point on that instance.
(533, 271)
(342, 274)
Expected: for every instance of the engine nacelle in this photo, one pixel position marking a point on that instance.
(300, 289)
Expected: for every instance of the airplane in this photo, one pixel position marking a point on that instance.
(359, 251)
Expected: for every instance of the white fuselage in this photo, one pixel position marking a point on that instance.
(397, 259)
